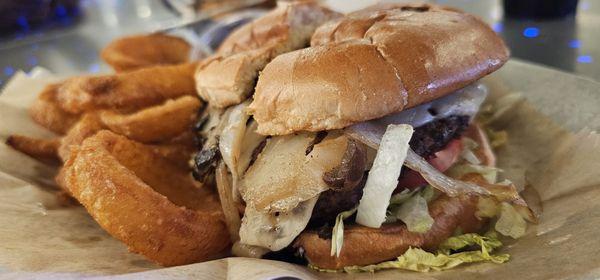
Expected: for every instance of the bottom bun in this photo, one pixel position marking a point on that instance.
(364, 245)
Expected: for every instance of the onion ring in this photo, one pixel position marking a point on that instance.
(87, 126)
(43, 150)
(154, 124)
(145, 201)
(46, 112)
(127, 91)
(139, 51)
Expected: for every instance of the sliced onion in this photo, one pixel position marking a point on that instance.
(237, 143)
(371, 136)
(230, 211)
(230, 141)
(438, 180)
(251, 141)
(371, 133)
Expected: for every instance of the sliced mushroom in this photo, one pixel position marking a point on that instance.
(281, 188)
(208, 129)
(284, 175)
(350, 171)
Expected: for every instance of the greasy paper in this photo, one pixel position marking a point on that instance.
(552, 149)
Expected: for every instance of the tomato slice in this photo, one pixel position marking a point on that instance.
(442, 160)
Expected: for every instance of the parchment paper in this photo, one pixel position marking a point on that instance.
(552, 149)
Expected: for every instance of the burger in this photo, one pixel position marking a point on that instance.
(360, 148)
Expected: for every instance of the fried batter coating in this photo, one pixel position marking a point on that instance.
(140, 51)
(142, 199)
(46, 112)
(44, 150)
(87, 126)
(127, 91)
(157, 123)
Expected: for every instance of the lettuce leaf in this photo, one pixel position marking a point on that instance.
(510, 221)
(337, 236)
(416, 259)
(488, 243)
(411, 208)
(415, 214)
(401, 197)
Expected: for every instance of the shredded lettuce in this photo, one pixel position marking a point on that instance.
(510, 221)
(337, 236)
(491, 113)
(402, 196)
(416, 259)
(411, 208)
(488, 242)
(415, 214)
(429, 193)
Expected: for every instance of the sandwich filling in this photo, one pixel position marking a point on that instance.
(294, 185)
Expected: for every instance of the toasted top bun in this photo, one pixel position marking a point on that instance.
(372, 63)
(228, 77)
(283, 24)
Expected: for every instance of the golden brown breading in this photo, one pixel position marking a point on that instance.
(43, 150)
(142, 199)
(140, 51)
(46, 112)
(127, 91)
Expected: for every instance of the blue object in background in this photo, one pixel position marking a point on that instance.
(531, 32)
(575, 44)
(20, 18)
(8, 71)
(94, 68)
(585, 59)
(498, 27)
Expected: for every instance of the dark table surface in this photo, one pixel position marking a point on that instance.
(571, 44)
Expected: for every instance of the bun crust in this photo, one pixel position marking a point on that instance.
(365, 246)
(283, 23)
(372, 63)
(228, 77)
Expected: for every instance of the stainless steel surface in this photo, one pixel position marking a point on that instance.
(569, 44)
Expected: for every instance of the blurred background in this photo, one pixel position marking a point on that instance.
(66, 36)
